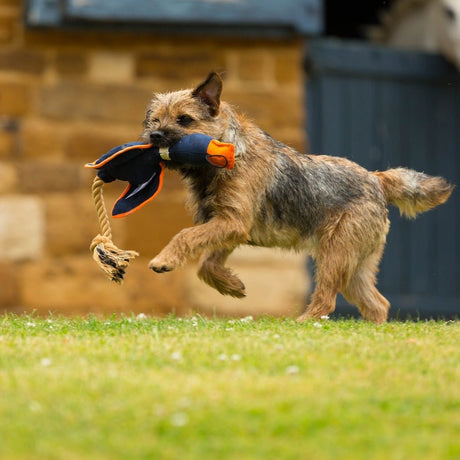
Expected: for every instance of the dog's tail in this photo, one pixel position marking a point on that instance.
(413, 192)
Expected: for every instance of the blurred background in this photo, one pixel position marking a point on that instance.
(76, 77)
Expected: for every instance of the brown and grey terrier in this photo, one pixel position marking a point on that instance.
(327, 206)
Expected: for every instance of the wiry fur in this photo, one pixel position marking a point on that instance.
(413, 192)
(276, 197)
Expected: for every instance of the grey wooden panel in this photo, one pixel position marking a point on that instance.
(257, 17)
(386, 108)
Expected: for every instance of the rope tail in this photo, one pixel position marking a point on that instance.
(112, 260)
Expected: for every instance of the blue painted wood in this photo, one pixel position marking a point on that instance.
(299, 17)
(380, 62)
(385, 108)
(43, 13)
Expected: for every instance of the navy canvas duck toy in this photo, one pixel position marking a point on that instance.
(142, 166)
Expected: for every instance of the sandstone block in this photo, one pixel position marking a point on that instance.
(41, 139)
(22, 60)
(150, 229)
(44, 176)
(190, 63)
(276, 283)
(72, 100)
(11, 5)
(7, 144)
(111, 67)
(9, 291)
(71, 223)
(287, 65)
(7, 29)
(71, 63)
(271, 110)
(22, 228)
(253, 65)
(15, 98)
(293, 137)
(76, 285)
(86, 143)
(8, 178)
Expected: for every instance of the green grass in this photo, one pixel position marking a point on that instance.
(128, 388)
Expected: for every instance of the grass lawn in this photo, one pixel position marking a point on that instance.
(129, 388)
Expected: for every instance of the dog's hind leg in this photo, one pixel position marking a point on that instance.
(361, 290)
(336, 260)
(323, 298)
(212, 271)
(331, 263)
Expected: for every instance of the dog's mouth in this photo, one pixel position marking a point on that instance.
(162, 138)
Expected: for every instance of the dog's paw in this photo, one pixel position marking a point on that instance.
(304, 317)
(235, 289)
(159, 265)
(160, 269)
(310, 315)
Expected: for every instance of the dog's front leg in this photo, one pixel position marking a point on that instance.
(217, 233)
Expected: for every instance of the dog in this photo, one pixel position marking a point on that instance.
(328, 206)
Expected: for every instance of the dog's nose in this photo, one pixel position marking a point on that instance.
(156, 136)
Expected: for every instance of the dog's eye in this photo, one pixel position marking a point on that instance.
(148, 122)
(184, 120)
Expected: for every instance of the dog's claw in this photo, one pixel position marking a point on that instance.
(161, 269)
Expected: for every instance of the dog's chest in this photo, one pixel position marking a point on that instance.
(202, 186)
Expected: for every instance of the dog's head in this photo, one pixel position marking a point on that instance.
(171, 116)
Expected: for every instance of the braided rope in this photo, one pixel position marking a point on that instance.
(112, 260)
(101, 210)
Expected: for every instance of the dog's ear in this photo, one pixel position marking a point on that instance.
(209, 92)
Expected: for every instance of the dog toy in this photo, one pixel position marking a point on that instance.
(142, 166)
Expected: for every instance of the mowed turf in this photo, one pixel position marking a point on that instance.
(135, 388)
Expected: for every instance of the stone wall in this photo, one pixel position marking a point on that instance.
(66, 97)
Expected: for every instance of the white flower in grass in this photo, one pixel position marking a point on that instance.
(317, 325)
(45, 362)
(194, 321)
(176, 356)
(292, 370)
(35, 406)
(141, 316)
(276, 336)
(235, 357)
(324, 317)
(247, 319)
(179, 419)
(30, 324)
(222, 357)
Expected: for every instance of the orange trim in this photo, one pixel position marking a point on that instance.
(127, 213)
(111, 157)
(221, 149)
(218, 160)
